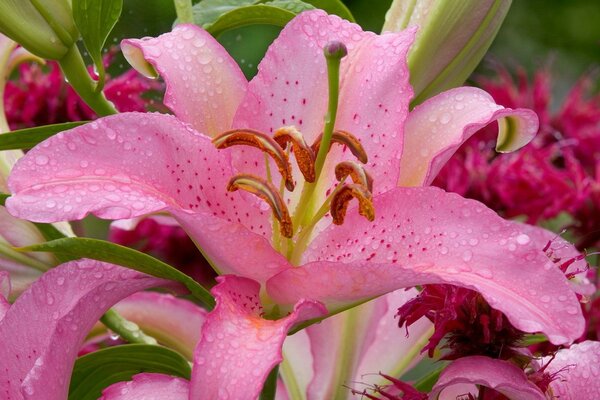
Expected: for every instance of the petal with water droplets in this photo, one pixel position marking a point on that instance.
(577, 371)
(64, 304)
(502, 376)
(238, 348)
(175, 322)
(423, 236)
(4, 292)
(204, 84)
(148, 387)
(436, 129)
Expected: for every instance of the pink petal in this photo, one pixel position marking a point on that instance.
(238, 347)
(577, 370)
(4, 292)
(563, 253)
(291, 89)
(204, 84)
(424, 236)
(364, 341)
(19, 233)
(386, 350)
(436, 129)
(232, 248)
(64, 304)
(133, 164)
(148, 387)
(173, 322)
(499, 375)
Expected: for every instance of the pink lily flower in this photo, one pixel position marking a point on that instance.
(134, 164)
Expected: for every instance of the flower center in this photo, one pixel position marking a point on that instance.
(291, 233)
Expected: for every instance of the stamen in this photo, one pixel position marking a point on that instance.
(249, 137)
(356, 171)
(346, 139)
(266, 191)
(305, 157)
(339, 203)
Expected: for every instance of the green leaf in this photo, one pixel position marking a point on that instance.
(95, 19)
(96, 371)
(333, 7)
(262, 14)
(3, 197)
(208, 11)
(75, 248)
(28, 138)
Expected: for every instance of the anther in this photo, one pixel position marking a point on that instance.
(305, 157)
(339, 202)
(266, 191)
(356, 171)
(249, 137)
(347, 139)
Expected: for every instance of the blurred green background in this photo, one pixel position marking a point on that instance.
(564, 34)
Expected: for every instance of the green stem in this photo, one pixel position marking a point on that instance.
(127, 330)
(184, 11)
(270, 387)
(76, 72)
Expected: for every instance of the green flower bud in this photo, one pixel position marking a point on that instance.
(452, 39)
(44, 27)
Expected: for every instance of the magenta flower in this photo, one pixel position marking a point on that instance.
(134, 164)
(41, 98)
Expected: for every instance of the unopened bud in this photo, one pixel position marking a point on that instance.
(45, 27)
(452, 38)
(335, 49)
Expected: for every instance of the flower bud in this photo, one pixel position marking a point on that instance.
(452, 39)
(44, 27)
(335, 49)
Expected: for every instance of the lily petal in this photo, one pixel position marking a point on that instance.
(238, 348)
(295, 93)
(563, 253)
(133, 164)
(499, 375)
(423, 236)
(436, 129)
(357, 344)
(386, 350)
(204, 84)
(148, 387)
(172, 321)
(64, 304)
(4, 292)
(577, 370)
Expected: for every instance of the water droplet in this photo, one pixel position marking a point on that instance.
(41, 160)
(545, 299)
(467, 255)
(523, 239)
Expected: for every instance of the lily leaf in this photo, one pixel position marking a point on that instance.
(219, 16)
(76, 248)
(96, 371)
(95, 19)
(261, 14)
(28, 138)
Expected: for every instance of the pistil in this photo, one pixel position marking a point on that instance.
(334, 52)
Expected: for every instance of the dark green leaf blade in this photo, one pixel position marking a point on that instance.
(96, 371)
(28, 138)
(101, 250)
(95, 19)
(207, 12)
(335, 7)
(261, 14)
